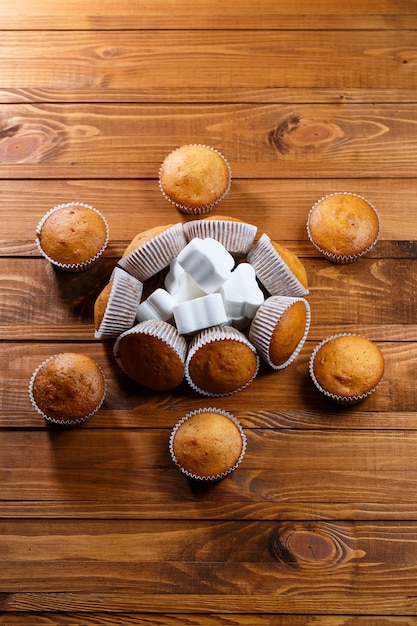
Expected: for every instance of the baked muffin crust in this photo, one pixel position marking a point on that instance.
(288, 333)
(73, 234)
(68, 387)
(207, 444)
(348, 366)
(194, 176)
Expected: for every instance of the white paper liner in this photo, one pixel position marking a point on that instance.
(120, 313)
(332, 396)
(63, 422)
(216, 477)
(343, 259)
(272, 271)
(208, 335)
(72, 267)
(236, 237)
(154, 328)
(155, 254)
(204, 208)
(265, 321)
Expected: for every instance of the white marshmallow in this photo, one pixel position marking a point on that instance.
(180, 284)
(207, 262)
(200, 313)
(158, 306)
(241, 293)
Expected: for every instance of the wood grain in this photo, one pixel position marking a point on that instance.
(213, 14)
(265, 141)
(318, 524)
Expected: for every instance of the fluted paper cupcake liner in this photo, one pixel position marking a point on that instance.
(343, 259)
(71, 267)
(155, 328)
(347, 400)
(155, 254)
(272, 271)
(209, 335)
(53, 420)
(265, 321)
(204, 208)
(216, 477)
(123, 301)
(236, 237)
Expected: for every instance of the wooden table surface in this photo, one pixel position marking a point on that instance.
(319, 524)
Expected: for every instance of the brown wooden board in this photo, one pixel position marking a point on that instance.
(318, 524)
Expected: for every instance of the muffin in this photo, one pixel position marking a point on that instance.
(115, 307)
(279, 270)
(72, 236)
(195, 178)
(67, 389)
(279, 329)
(234, 234)
(346, 368)
(152, 353)
(207, 444)
(343, 226)
(153, 250)
(220, 361)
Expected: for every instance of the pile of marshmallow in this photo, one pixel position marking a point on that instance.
(203, 288)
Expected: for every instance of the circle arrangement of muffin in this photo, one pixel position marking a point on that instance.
(279, 329)
(195, 178)
(153, 354)
(115, 306)
(346, 368)
(343, 226)
(207, 444)
(220, 361)
(234, 234)
(67, 388)
(72, 236)
(280, 271)
(152, 250)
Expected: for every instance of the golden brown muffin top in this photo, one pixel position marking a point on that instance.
(73, 234)
(224, 218)
(223, 366)
(194, 176)
(207, 444)
(143, 237)
(343, 224)
(288, 333)
(348, 365)
(69, 386)
(100, 304)
(293, 263)
(150, 361)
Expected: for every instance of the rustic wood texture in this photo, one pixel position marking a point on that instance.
(319, 524)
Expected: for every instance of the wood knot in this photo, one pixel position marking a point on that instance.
(18, 148)
(306, 545)
(296, 135)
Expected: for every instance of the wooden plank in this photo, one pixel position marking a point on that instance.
(380, 294)
(288, 386)
(267, 564)
(214, 14)
(120, 600)
(172, 619)
(213, 510)
(131, 206)
(286, 474)
(172, 59)
(269, 141)
(219, 94)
